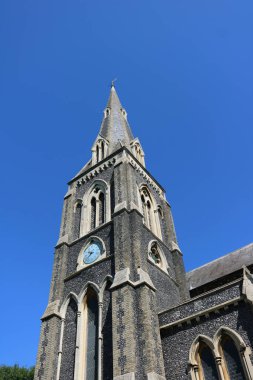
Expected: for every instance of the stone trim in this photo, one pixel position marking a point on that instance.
(51, 310)
(214, 345)
(103, 165)
(201, 296)
(154, 376)
(247, 285)
(62, 240)
(80, 264)
(69, 193)
(121, 278)
(205, 312)
(126, 376)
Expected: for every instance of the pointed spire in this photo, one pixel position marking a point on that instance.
(115, 127)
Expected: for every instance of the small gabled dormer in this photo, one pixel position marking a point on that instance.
(138, 151)
(99, 150)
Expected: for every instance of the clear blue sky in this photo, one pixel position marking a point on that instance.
(184, 72)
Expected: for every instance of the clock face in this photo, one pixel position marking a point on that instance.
(92, 252)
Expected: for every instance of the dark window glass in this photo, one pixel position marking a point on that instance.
(78, 219)
(93, 213)
(92, 338)
(232, 359)
(101, 208)
(102, 150)
(208, 363)
(69, 343)
(97, 153)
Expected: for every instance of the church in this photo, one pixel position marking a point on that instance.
(121, 306)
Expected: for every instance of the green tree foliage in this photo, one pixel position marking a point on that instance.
(16, 373)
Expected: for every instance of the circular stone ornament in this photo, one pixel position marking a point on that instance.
(155, 256)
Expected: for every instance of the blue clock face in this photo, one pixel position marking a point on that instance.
(92, 253)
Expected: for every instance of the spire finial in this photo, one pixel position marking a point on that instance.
(112, 84)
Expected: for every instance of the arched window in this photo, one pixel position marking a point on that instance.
(99, 150)
(157, 256)
(90, 336)
(68, 342)
(97, 206)
(102, 150)
(97, 153)
(225, 357)
(233, 366)
(78, 213)
(138, 151)
(101, 208)
(93, 214)
(206, 362)
(149, 217)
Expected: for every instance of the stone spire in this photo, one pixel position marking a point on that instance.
(115, 128)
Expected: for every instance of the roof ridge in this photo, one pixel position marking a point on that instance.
(219, 258)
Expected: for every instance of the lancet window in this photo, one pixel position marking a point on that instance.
(226, 357)
(138, 152)
(97, 207)
(206, 361)
(150, 216)
(90, 336)
(99, 150)
(148, 209)
(232, 367)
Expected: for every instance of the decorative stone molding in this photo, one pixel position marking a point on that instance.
(146, 177)
(52, 309)
(247, 285)
(215, 346)
(63, 239)
(122, 277)
(154, 376)
(126, 376)
(120, 206)
(205, 312)
(93, 173)
(69, 193)
(174, 247)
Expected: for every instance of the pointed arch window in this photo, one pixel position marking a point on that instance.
(93, 213)
(68, 352)
(233, 368)
(97, 207)
(101, 207)
(97, 153)
(99, 150)
(89, 337)
(225, 357)
(102, 150)
(78, 213)
(148, 209)
(150, 216)
(138, 152)
(207, 366)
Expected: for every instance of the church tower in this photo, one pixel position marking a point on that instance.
(116, 266)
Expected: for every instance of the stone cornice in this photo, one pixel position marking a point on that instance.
(109, 162)
(210, 292)
(205, 312)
